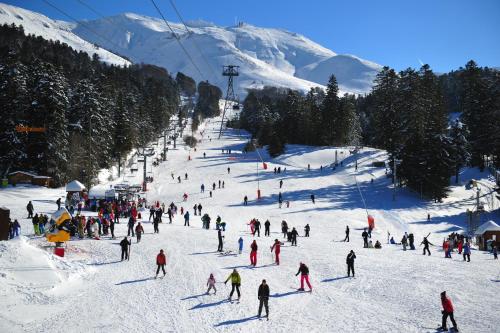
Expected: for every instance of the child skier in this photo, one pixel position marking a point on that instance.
(211, 284)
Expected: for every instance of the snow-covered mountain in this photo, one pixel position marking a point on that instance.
(266, 56)
(40, 25)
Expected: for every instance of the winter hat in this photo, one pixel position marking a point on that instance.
(161, 251)
(443, 294)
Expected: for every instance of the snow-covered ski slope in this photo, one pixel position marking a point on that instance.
(90, 290)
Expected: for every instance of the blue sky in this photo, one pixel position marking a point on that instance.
(397, 33)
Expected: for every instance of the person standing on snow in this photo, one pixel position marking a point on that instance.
(294, 234)
(284, 228)
(245, 201)
(263, 296)
(404, 242)
(307, 228)
(202, 188)
(161, 261)
(228, 170)
(350, 263)
(139, 230)
(411, 239)
(156, 230)
(346, 239)
(256, 228)
(240, 245)
(29, 208)
(447, 312)
(58, 202)
(235, 283)
(199, 209)
(267, 227)
(253, 253)
(131, 223)
(221, 244)
(186, 219)
(365, 238)
(124, 244)
(467, 251)
(281, 183)
(195, 208)
(426, 245)
(151, 212)
(277, 250)
(304, 275)
(313, 198)
(211, 284)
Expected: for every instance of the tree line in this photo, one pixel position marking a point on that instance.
(431, 125)
(93, 113)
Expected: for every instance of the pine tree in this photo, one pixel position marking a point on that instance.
(329, 111)
(459, 153)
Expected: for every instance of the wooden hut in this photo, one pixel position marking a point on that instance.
(487, 235)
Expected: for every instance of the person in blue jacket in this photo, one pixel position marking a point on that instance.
(240, 243)
(466, 250)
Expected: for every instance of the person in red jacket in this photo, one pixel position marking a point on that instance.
(277, 249)
(253, 253)
(447, 312)
(161, 260)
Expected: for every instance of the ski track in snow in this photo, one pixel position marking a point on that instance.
(393, 291)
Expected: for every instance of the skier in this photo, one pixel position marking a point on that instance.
(304, 275)
(199, 209)
(185, 176)
(404, 242)
(219, 183)
(267, 227)
(211, 284)
(284, 228)
(240, 245)
(131, 223)
(202, 188)
(58, 202)
(346, 239)
(281, 183)
(294, 235)
(256, 228)
(228, 170)
(139, 230)
(219, 236)
(204, 155)
(467, 251)
(125, 243)
(307, 228)
(223, 184)
(365, 238)
(235, 283)
(447, 312)
(161, 261)
(245, 201)
(253, 253)
(195, 208)
(210, 194)
(313, 198)
(36, 220)
(426, 245)
(169, 213)
(263, 296)
(277, 250)
(350, 263)
(411, 239)
(186, 219)
(446, 249)
(155, 225)
(151, 212)
(29, 208)
(213, 186)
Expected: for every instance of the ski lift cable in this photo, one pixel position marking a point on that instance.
(194, 43)
(83, 25)
(361, 194)
(177, 38)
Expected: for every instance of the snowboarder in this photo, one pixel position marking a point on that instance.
(350, 263)
(253, 253)
(139, 230)
(245, 201)
(161, 261)
(124, 244)
(426, 246)
(304, 275)
(365, 238)
(235, 283)
(263, 296)
(277, 250)
(267, 227)
(221, 244)
(294, 235)
(313, 198)
(467, 251)
(29, 208)
(240, 245)
(307, 228)
(186, 219)
(447, 312)
(211, 284)
(346, 239)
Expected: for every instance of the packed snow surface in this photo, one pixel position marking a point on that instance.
(90, 290)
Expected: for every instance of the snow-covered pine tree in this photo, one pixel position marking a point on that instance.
(459, 153)
(329, 110)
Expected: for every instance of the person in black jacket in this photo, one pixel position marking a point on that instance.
(124, 245)
(346, 239)
(267, 230)
(294, 236)
(307, 228)
(219, 235)
(365, 238)
(263, 295)
(29, 208)
(304, 275)
(350, 263)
